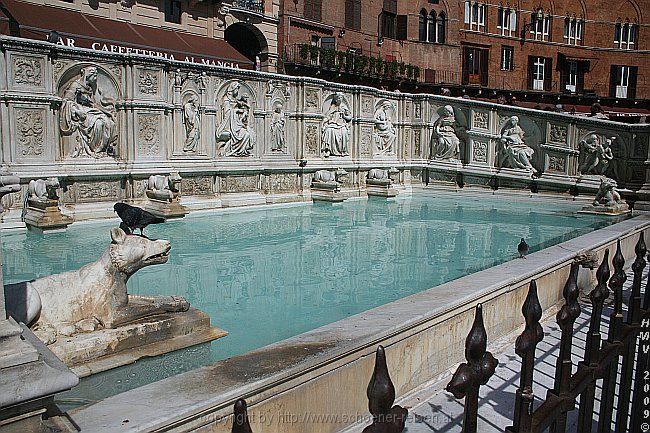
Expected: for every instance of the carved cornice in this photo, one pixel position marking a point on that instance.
(559, 149)
(30, 98)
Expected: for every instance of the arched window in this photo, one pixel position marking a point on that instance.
(432, 27)
(423, 25)
(625, 35)
(440, 34)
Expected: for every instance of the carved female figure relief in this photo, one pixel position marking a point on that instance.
(192, 122)
(595, 154)
(336, 128)
(445, 144)
(385, 132)
(278, 123)
(87, 111)
(234, 135)
(512, 151)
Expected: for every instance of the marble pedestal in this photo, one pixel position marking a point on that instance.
(46, 217)
(166, 208)
(30, 376)
(104, 349)
(379, 188)
(614, 210)
(327, 191)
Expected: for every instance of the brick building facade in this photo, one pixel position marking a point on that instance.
(386, 29)
(585, 51)
(195, 29)
(572, 47)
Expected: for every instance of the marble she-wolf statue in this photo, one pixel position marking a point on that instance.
(95, 295)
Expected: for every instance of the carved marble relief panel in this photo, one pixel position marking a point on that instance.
(239, 184)
(116, 70)
(148, 81)
(365, 143)
(417, 110)
(557, 133)
(148, 140)
(30, 132)
(198, 185)
(556, 163)
(57, 69)
(280, 182)
(312, 99)
(87, 192)
(406, 148)
(139, 188)
(481, 120)
(366, 106)
(479, 151)
(28, 71)
(417, 143)
(312, 138)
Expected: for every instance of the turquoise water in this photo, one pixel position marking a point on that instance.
(272, 273)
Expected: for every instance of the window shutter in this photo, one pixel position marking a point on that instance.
(631, 87)
(357, 14)
(484, 66)
(317, 10)
(308, 8)
(466, 66)
(402, 27)
(613, 71)
(349, 13)
(531, 69)
(583, 66)
(563, 67)
(467, 12)
(548, 74)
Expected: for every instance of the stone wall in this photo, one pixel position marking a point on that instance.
(104, 122)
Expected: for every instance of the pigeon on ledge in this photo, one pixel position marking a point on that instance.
(135, 218)
(522, 248)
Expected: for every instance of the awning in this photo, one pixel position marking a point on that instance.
(562, 58)
(31, 21)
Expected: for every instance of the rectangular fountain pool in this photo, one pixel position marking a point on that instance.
(268, 274)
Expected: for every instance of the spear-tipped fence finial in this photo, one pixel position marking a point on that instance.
(469, 376)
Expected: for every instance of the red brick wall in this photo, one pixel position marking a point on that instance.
(597, 46)
(598, 38)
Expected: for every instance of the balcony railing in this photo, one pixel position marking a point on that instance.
(249, 5)
(342, 61)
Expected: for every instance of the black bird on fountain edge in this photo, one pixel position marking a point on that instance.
(134, 217)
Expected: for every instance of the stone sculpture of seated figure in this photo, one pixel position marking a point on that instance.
(163, 188)
(513, 151)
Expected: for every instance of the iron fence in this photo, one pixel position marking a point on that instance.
(601, 361)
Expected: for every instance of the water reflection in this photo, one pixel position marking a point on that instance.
(269, 274)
